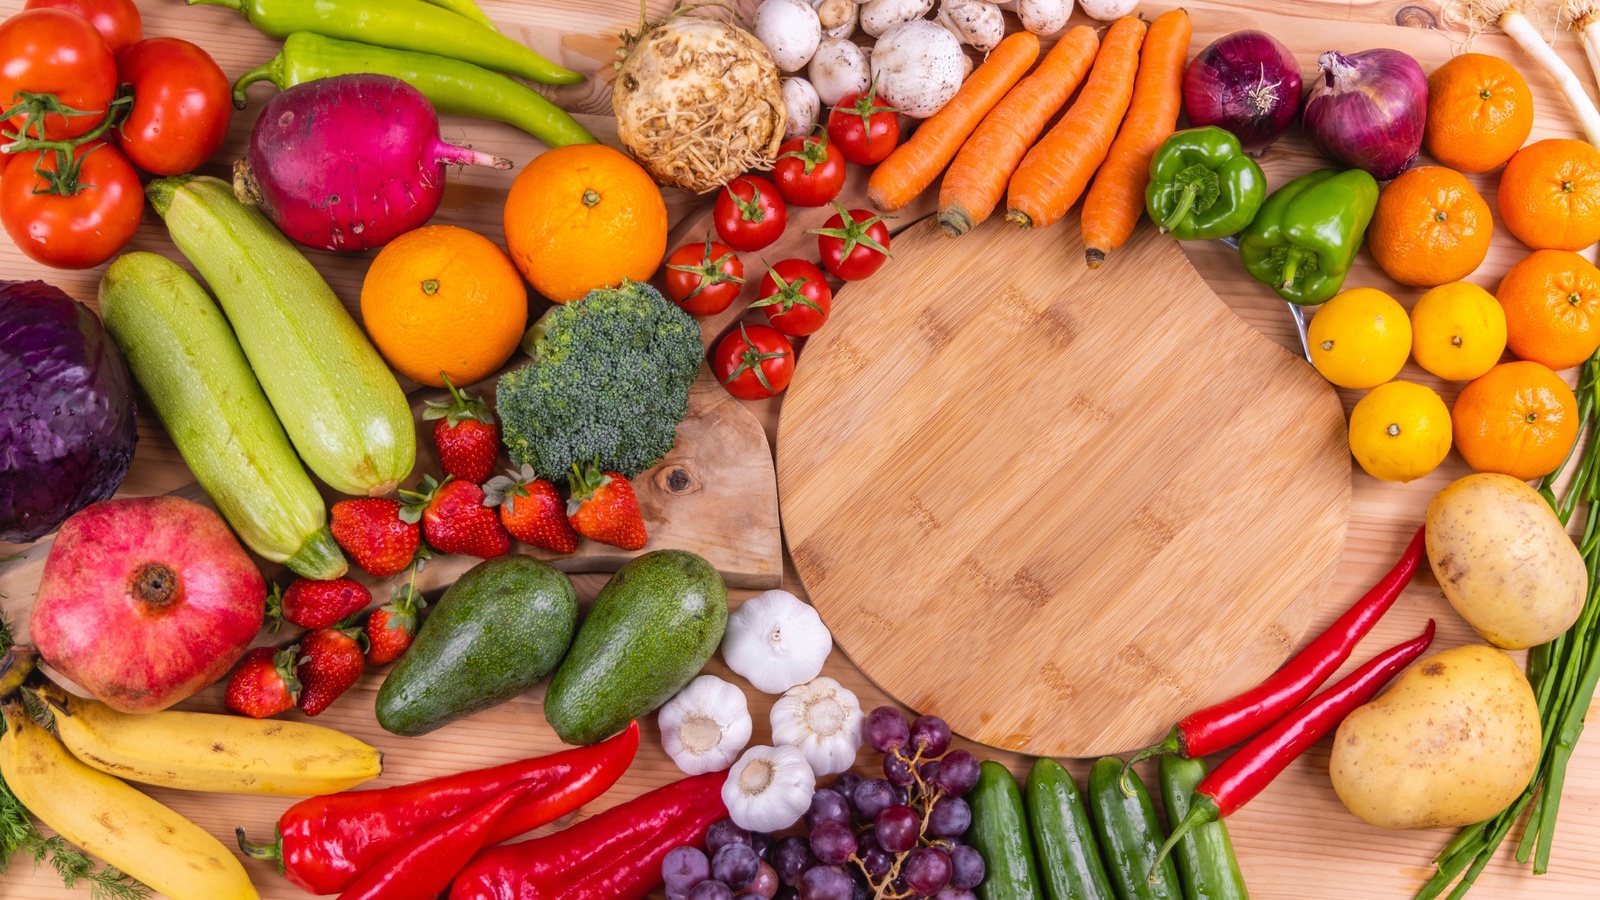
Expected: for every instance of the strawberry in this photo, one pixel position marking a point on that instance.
(391, 627)
(467, 435)
(372, 532)
(316, 604)
(454, 519)
(532, 510)
(604, 508)
(265, 683)
(330, 662)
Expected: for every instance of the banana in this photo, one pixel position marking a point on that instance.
(215, 753)
(113, 821)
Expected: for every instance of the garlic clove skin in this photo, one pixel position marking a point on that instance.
(823, 720)
(705, 726)
(776, 641)
(769, 788)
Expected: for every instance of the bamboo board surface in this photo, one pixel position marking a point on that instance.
(1295, 842)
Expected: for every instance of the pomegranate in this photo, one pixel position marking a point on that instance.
(143, 602)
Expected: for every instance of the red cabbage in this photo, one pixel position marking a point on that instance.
(66, 410)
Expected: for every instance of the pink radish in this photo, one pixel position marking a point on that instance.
(350, 162)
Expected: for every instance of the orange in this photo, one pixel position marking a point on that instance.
(443, 300)
(1550, 195)
(1430, 227)
(1458, 331)
(1479, 112)
(1552, 304)
(1518, 419)
(584, 217)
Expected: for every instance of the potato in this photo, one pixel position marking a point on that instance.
(1453, 742)
(1504, 561)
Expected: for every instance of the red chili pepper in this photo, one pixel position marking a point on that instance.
(325, 843)
(423, 867)
(615, 855)
(1227, 723)
(1248, 772)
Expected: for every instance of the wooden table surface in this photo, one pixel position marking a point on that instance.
(1295, 842)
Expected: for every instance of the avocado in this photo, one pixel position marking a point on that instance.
(498, 630)
(651, 629)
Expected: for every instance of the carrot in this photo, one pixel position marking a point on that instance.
(977, 179)
(1116, 200)
(914, 165)
(1055, 172)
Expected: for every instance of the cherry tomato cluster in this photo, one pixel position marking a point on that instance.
(87, 98)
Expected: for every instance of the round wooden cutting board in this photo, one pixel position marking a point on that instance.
(1058, 507)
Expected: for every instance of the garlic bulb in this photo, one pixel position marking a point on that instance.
(769, 788)
(705, 726)
(776, 642)
(823, 719)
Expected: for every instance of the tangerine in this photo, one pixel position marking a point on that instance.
(1480, 111)
(444, 301)
(1400, 431)
(1360, 338)
(1518, 419)
(1430, 227)
(583, 217)
(1550, 194)
(1552, 304)
(1458, 331)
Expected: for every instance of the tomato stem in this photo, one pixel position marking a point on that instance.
(63, 179)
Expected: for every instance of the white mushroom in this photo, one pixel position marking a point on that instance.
(918, 66)
(839, 68)
(803, 106)
(1041, 16)
(790, 30)
(878, 16)
(975, 22)
(1106, 10)
(838, 17)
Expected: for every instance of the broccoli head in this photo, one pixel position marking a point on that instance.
(609, 379)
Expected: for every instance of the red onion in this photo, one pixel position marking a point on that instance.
(1366, 110)
(1247, 83)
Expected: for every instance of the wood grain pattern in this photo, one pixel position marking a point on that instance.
(999, 442)
(1296, 842)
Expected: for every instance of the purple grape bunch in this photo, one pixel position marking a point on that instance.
(892, 838)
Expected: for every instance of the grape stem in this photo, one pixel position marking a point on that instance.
(922, 797)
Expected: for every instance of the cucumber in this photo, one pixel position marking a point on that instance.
(1069, 860)
(184, 356)
(338, 401)
(1129, 835)
(999, 832)
(1206, 864)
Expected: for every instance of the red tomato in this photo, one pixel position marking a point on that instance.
(705, 278)
(864, 131)
(117, 20)
(809, 170)
(750, 214)
(754, 363)
(855, 250)
(78, 231)
(49, 51)
(796, 297)
(182, 104)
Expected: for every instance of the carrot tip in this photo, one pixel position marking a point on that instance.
(1019, 218)
(955, 222)
(1094, 257)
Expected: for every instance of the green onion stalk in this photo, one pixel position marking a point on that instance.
(1563, 673)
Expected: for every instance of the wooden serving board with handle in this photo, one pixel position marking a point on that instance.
(1295, 842)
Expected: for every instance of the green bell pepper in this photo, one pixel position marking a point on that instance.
(1202, 185)
(1306, 235)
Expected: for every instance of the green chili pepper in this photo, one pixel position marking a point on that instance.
(466, 8)
(400, 25)
(1306, 235)
(451, 85)
(1203, 186)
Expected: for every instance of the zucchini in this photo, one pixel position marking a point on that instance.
(185, 357)
(999, 832)
(338, 401)
(1069, 860)
(1206, 864)
(1129, 835)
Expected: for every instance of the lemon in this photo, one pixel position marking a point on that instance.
(1360, 338)
(1458, 331)
(1400, 431)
